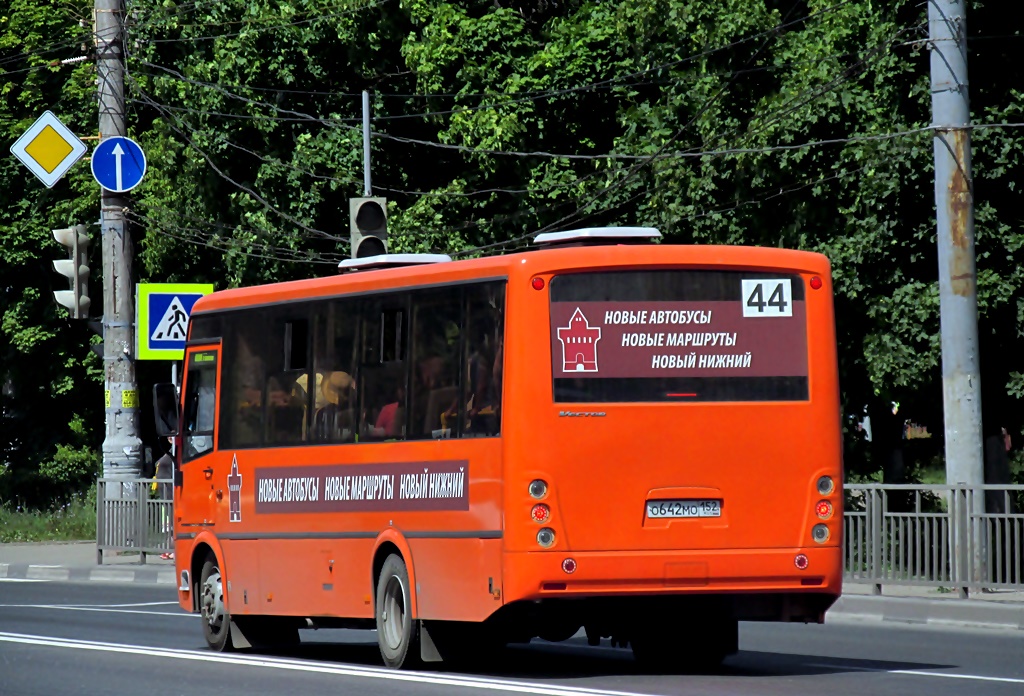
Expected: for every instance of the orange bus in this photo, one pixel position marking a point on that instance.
(636, 439)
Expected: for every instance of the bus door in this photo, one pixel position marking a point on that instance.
(197, 502)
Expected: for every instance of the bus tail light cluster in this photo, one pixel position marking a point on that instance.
(541, 513)
(824, 510)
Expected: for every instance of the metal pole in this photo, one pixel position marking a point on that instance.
(367, 189)
(954, 201)
(122, 448)
(177, 391)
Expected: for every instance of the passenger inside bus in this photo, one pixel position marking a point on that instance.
(383, 392)
(390, 419)
(333, 421)
(435, 392)
(286, 412)
(484, 373)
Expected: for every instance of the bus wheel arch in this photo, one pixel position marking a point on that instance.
(213, 607)
(200, 552)
(398, 632)
(392, 542)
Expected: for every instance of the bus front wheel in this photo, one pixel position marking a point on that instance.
(397, 631)
(212, 609)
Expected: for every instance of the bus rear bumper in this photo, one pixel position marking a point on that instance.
(546, 574)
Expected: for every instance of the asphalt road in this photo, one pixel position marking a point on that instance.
(65, 639)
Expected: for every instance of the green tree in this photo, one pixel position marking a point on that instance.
(51, 395)
(767, 122)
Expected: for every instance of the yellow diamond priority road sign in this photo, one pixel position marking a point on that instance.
(49, 149)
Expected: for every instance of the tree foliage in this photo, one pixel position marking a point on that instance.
(766, 122)
(51, 397)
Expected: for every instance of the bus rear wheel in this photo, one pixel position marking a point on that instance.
(397, 631)
(212, 608)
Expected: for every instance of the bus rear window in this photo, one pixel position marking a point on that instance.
(678, 335)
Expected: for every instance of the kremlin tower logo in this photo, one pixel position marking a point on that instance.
(579, 344)
(234, 492)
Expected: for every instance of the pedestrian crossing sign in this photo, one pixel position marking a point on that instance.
(162, 312)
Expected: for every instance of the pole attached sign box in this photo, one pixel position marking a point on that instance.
(162, 321)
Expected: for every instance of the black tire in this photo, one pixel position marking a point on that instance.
(397, 632)
(212, 609)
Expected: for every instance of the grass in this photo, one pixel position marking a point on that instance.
(75, 521)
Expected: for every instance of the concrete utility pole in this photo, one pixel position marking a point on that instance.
(122, 448)
(954, 203)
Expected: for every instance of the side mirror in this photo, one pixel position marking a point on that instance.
(165, 409)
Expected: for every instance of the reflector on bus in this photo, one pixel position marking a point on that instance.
(390, 261)
(599, 235)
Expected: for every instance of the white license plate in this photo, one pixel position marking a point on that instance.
(684, 508)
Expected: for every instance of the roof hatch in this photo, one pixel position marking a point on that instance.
(592, 236)
(369, 263)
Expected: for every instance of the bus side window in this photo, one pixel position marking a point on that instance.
(243, 379)
(287, 400)
(382, 375)
(481, 381)
(334, 360)
(436, 332)
(200, 402)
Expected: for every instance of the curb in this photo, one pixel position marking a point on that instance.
(25, 571)
(936, 612)
(965, 613)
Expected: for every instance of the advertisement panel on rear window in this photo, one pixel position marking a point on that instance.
(678, 335)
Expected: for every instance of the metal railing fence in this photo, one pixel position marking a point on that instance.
(131, 516)
(967, 538)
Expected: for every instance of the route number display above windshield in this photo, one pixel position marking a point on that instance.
(767, 298)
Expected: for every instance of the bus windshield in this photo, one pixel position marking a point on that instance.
(678, 335)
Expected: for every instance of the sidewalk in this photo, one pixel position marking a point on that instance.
(1000, 609)
(76, 562)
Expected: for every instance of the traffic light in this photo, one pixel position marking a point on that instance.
(368, 222)
(75, 269)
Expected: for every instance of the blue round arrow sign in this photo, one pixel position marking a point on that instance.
(118, 164)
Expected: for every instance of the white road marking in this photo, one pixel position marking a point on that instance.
(119, 606)
(22, 580)
(920, 673)
(112, 609)
(383, 674)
